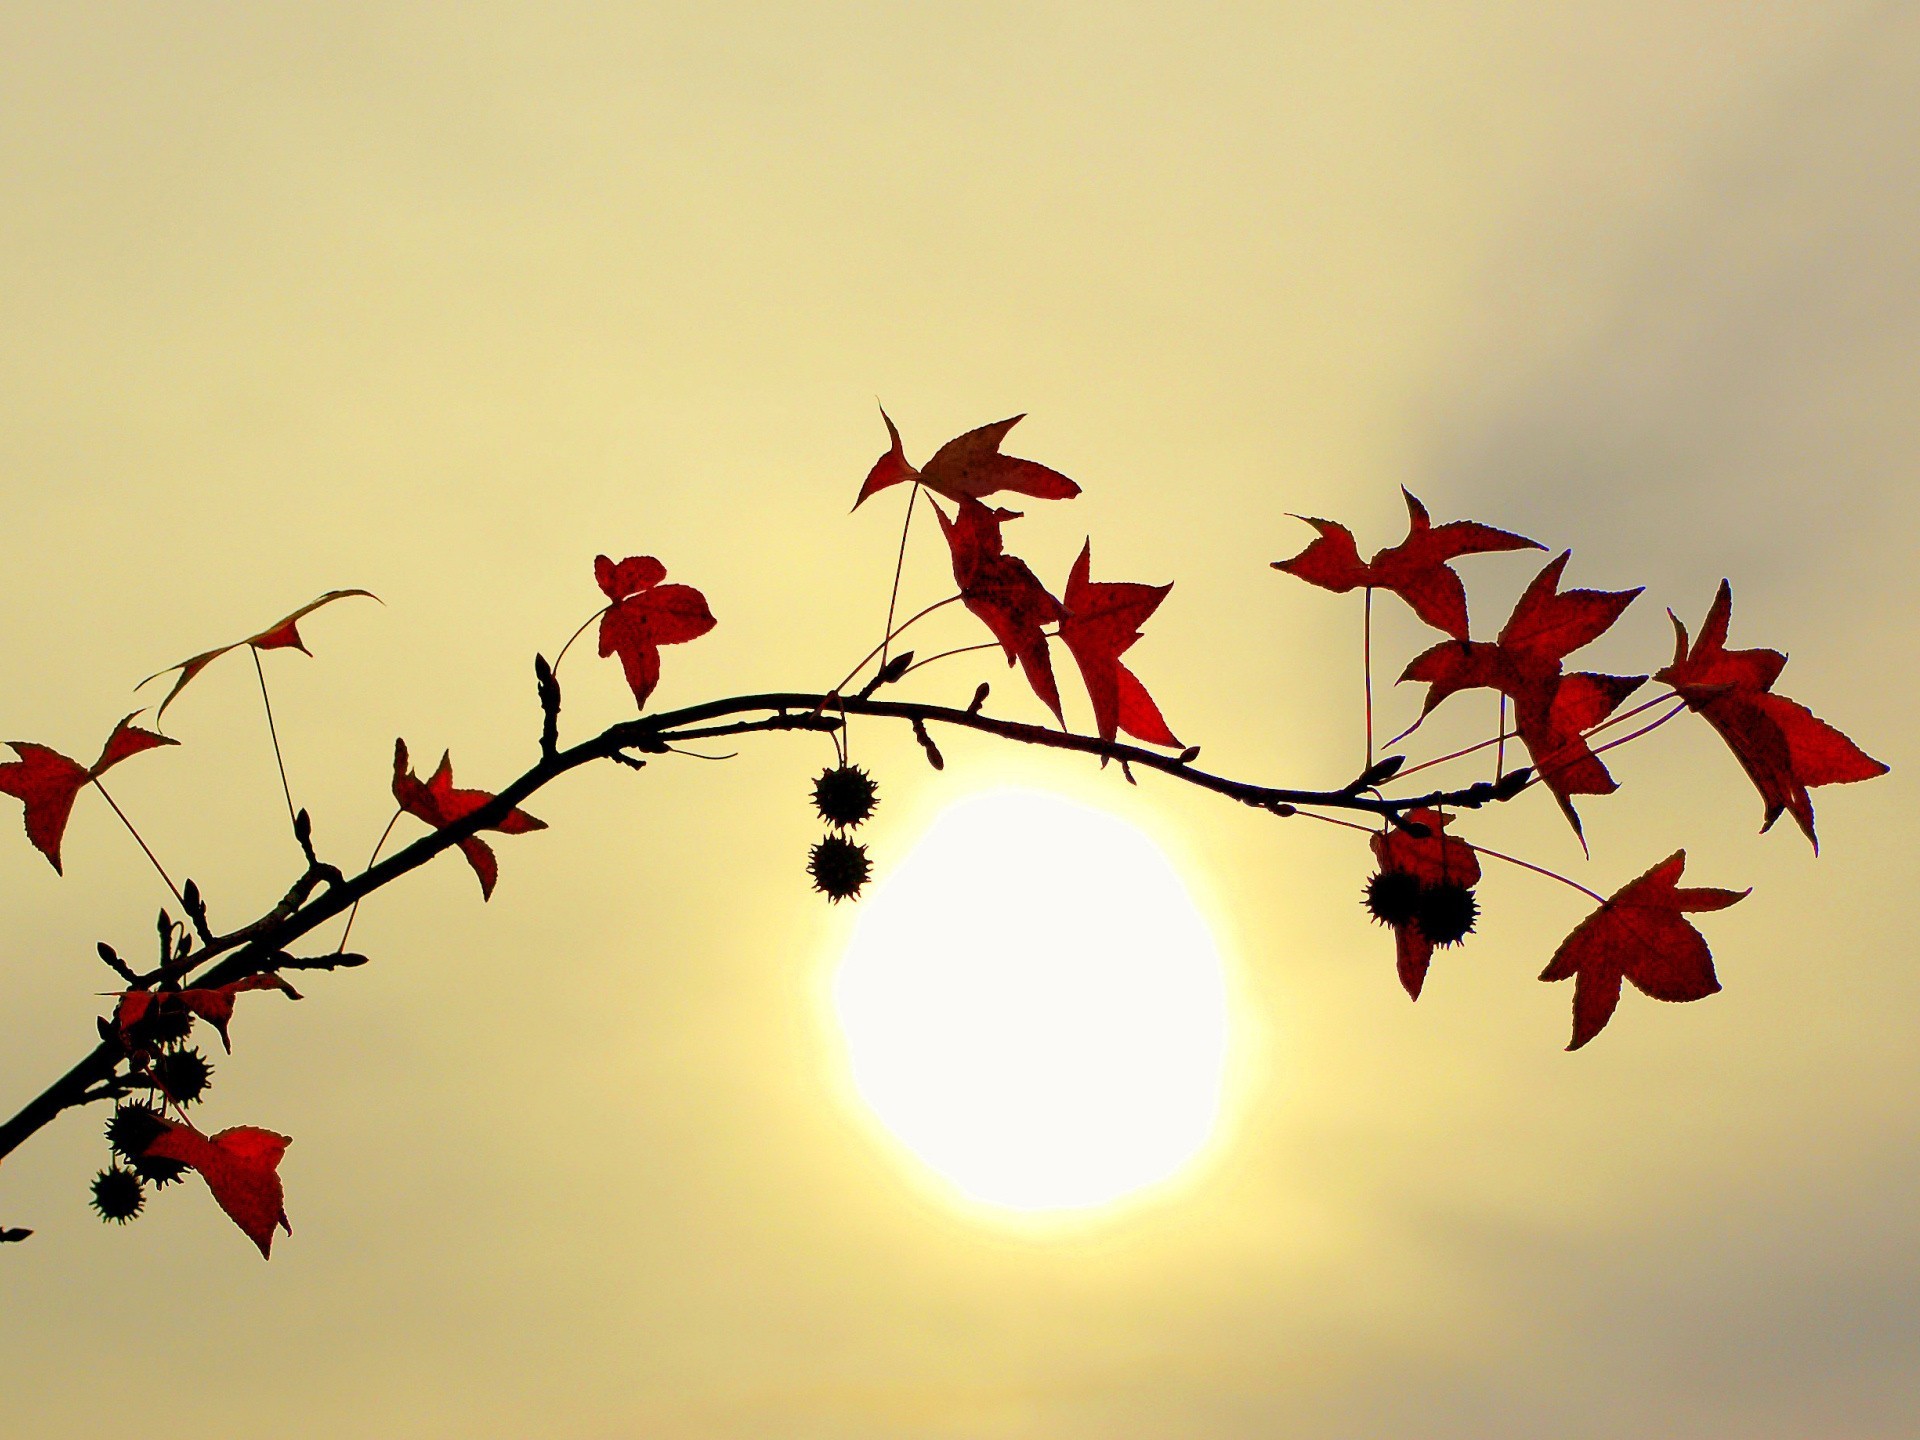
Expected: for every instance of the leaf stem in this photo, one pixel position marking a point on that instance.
(577, 634)
(141, 842)
(1536, 869)
(1643, 730)
(1366, 666)
(353, 914)
(966, 650)
(899, 565)
(1621, 718)
(273, 732)
(892, 634)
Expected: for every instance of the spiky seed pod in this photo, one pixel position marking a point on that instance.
(844, 795)
(839, 867)
(134, 1126)
(118, 1194)
(183, 1074)
(163, 1025)
(1446, 913)
(1393, 897)
(158, 1171)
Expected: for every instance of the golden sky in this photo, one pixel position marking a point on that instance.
(443, 300)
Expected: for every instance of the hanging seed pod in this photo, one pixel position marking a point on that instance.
(1446, 912)
(133, 1126)
(183, 1074)
(1393, 898)
(844, 795)
(839, 868)
(118, 1194)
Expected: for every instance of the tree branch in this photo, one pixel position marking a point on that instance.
(263, 945)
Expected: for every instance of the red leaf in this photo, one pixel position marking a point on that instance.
(1099, 623)
(644, 616)
(1784, 748)
(1004, 593)
(1639, 934)
(1416, 569)
(1551, 710)
(213, 1004)
(1433, 859)
(1549, 624)
(968, 467)
(48, 782)
(283, 634)
(437, 802)
(241, 1168)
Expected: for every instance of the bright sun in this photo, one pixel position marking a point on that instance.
(1033, 1005)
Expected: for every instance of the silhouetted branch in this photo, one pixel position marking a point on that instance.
(323, 892)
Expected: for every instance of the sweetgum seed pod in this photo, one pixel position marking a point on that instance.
(844, 795)
(183, 1074)
(118, 1194)
(1393, 897)
(839, 868)
(134, 1126)
(1446, 913)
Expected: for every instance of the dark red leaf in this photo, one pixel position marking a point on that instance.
(1100, 621)
(48, 782)
(283, 634)
(644, 616)
(1549, 624)
(1416, 569)
(1434, 858)
(1551, 710)
(1004, 593)
(213, 1004)
(241, 1168)
(1784, 748)
(968, 467)
(437, 802)
(1639, 934)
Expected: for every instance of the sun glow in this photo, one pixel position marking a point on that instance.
(1033, 1005)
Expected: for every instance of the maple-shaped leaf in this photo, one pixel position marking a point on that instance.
(213, 1004)
(1640, 933)
(1551, 709)
(241, 1167)
(1434, 858)
(1099, 622)
(968, 467)
(1003, 592)
(48, 782)
(1784, 748)
(644, 616)
(283, 634)
(437, 802)
(1416, 569)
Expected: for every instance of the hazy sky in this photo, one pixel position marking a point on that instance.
(442, 300)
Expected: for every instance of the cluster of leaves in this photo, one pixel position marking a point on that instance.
(1638, 933)
(1423, 886)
